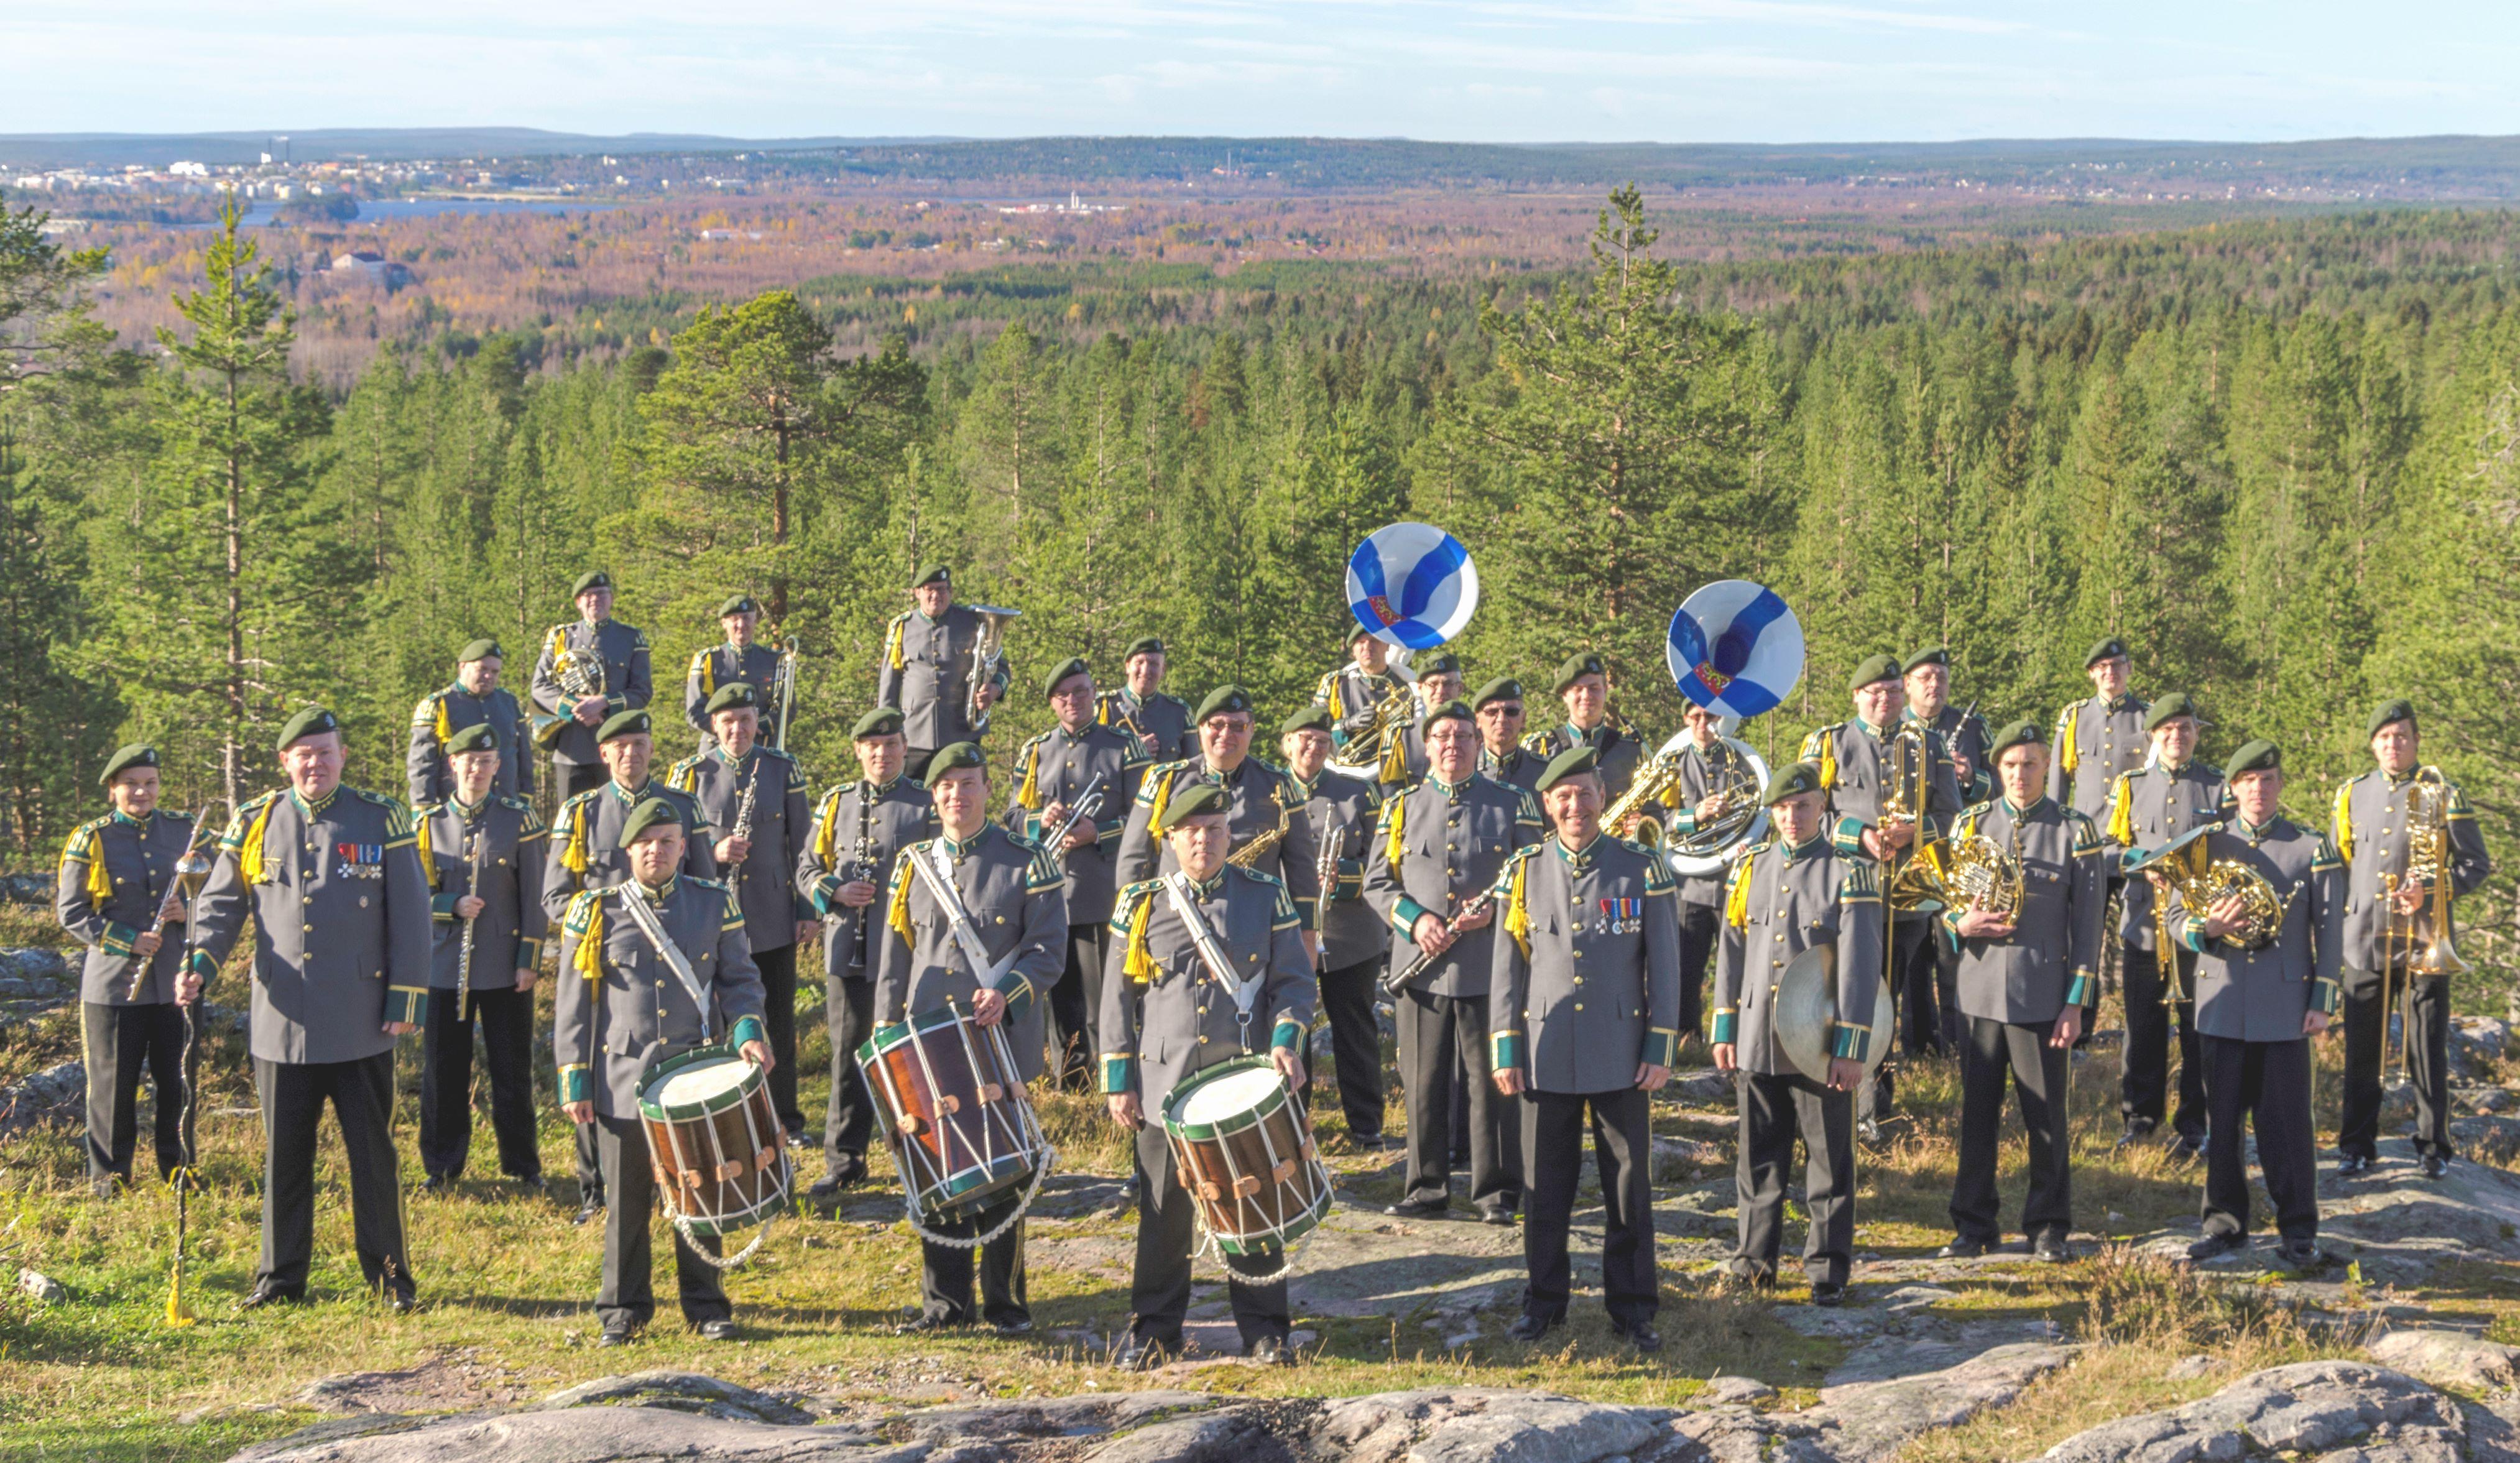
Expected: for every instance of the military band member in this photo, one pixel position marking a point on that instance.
(2099, 737)
(975, 917)
(1500, 710)
(625, 1005)
(1709, 770)
(927, 674)
(1344, 811)
(1437, 849)
(2025, 974)
(740, 658)
(118, 876)
(1351, 692)
(755, 851)
(2172, 793)
(2373, 826)
(474, 699)
(1140, 708)
(332, 877)
(482, 851)
(1926, 676)
(1785, 893)
(1583, 686)
(593, 639)
(1267, 808)
(1058, 769)
(2258, 1002)
(858, 832)
(1196, 1016)
(1438, 684)
(1855, 760)
(1586, 974)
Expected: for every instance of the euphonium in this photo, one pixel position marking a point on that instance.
(986, 656)
(578, 678)
(1367, 744)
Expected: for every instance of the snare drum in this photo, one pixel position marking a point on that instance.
(955, 1111)
(720, 1156)
(1243, 1148)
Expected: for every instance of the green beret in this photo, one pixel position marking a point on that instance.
(1447, 711)
(1145, 645)
(1444, 664)
(484, 648)
(1310, 719)
(1564, 766)
(951, 758)
(2176, 704)
(1875, 668)
(1072, 666)
(314, 721)
(1789, 781)
(1198, 800)
(740, 604)
(2112, 648)
(932, 574)
(478, 738)
(1931, 655)
(651, 813)
(2397, 710)
(624, 723)
(129, 755)
(591, 579)
(884, 720)
(1221, 701)
(1502, 689)
(2254, 756)
(1357, 633)
(1577, 666)
(733, 695)
(2024, 733)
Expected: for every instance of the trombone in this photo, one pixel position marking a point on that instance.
(2417, 945)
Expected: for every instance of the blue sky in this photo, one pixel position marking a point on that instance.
(1667, 71)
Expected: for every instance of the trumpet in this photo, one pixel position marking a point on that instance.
(1087, 803)
(987, 655)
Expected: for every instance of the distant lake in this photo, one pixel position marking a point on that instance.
(380, 210)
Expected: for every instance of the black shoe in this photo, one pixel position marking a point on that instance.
(1740, 1285)
(530, 1183)
(2138, 1130)
(437, 1183)
(1020, 1325)
(618, 1334)
(721, 1329)
(2052, 1249)
(1271, 1350)
(1437, 1209)
(2435, 1165)
(1532, 1327)
(590, 1205)
(268, 1293)
(928, 1325)
(850, 1172)
(1962, 1247)
(1498, 1216)
(402, 1301)
(1642, 1335)
(2214, 1245)
(1828, 1294)
(1142, 1354)
(1869, 1133)
(2353, 1164)
(2302, 1255)
(2185, 1150)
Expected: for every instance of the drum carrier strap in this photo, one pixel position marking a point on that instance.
(1245, 994)
(643, 915)
(958, 918)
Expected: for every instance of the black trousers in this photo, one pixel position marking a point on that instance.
(1698, 927)
(1911, 942)
(1440, 1036)
(779, 1014)
(1355, 1042)
(1947, 991)
(506, 1020)
(628, 1296)
(2367, 1038)
(1159, 1288)
(945, 1272)
(2268, 1084)
(119, 1043)
(292, 1112)
(1774, 1110)
(1919, 976)
(571, 777)
(1553, 1154)
(1073, 1047)
(2143, 1091)
(848, 1011)
(1993, 1052)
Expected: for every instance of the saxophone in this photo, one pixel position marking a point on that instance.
(1657, 777)
(1250, 853)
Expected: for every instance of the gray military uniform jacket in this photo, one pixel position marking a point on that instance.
(1586, 976)
(1344, 811)
(2148, 808)
(765, 882)
(2261, 995)
(1191, 1019)
(450, 709)
(114, 876)
(1854, 768)
(2371, 831)
(1963, 736)
(2052, 960)
(1779, 902)
(1434, 850)
(586, 850)
(756, 666)
(341, 922)
(628, 679)
(1616, 747)
(1351, 695)
(506, 836)
(621, 1009)
(2096, 741)
(1265, 796)
(927, 675)
(1703, 774)
(1521, 768)
(1163, 720)
(1057, 768)
(1013, 894)
(888, 819)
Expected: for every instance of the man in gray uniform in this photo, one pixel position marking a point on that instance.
(1438, 682)
(1786, 895)
(754, 798)
(332, 877)
(569, 723)
(1343, 810)
(1500, 710)
(926, 673)
(1271, 833)
(1153, 718)
(740, 658)
(2171, 794)
(1430, 872)
(2258, 1002)
(474, 699)
(858, 832)
(624, 1008)
(1351, 692)
(1007, 896)
(1707, 789)
(118, 876)
(2376, 826)
(1194, 1017)
(2099, 737)
(1928, 681)
(483, 854)
(2024, 976)
(1583, 686)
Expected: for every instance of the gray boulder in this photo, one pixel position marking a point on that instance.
(2448, 1359)
(677, 1392)
(2328, 1410)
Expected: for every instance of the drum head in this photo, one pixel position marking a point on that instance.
(679, 1090)
(1225, 1099)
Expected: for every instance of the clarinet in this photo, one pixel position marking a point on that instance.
(1393, 983)
(862, 862)
(481, 839)
(744, 810)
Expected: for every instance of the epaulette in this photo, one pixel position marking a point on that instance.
(637, 637)
(576, 798)
(901, 618)
(1527, 850)
(1535, 741)
(1269, 880)
(719, 885)
(507, 801)
(581, 905)
(685, 765)
(177, 814)
(427, 810)
(699, 658)
(1862, 880)
(772, 752)
(2327, 857)
(427, 710)
(93, 825)
(1131, 899)
(1165, 695)
(1143, 889)
(398, 817)
(1754, 849)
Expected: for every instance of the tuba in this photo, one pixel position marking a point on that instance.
(1743, 819)
(578, 678)
(987, 655)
